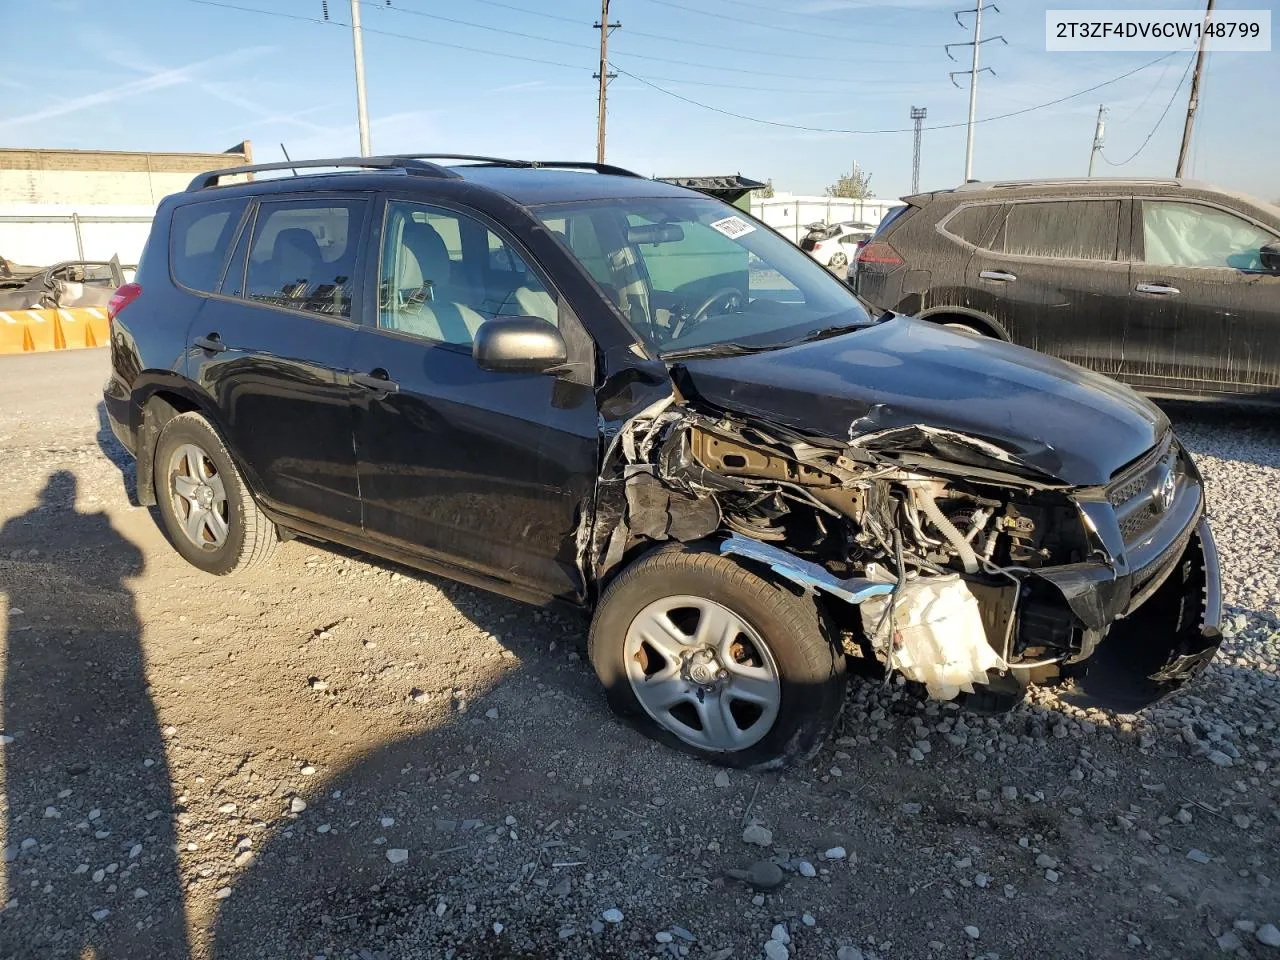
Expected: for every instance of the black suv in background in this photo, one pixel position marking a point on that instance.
(586, 387)
(1170, 286)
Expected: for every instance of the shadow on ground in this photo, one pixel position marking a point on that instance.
(85, 773)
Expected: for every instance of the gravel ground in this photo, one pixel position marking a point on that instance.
(344, 758)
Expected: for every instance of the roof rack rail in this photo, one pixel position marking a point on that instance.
(486, 161)
(408, 164)
(969, 185)
(479, 161)
(605, 168)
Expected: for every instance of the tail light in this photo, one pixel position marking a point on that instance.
(879, 252)
(123, 296)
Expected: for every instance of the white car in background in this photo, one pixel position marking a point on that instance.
(835, 245)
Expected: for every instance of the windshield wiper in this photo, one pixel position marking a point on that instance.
(718, 350)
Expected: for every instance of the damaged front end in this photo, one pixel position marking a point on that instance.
(937, 554)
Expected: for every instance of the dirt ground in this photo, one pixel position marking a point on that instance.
(339, 757)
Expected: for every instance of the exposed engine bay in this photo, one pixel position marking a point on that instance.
(937, 555)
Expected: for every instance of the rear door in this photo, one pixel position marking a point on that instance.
(1055, 275)
(487, 473)
(273, 349)
(1203, 309)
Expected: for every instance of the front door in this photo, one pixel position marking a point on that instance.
(273, 350)
(1054, 276)
(1204, 316)
(489, 473)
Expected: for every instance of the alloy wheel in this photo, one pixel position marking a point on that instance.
(703, 673)
(199, 497)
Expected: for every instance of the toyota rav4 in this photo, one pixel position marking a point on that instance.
(570, 384)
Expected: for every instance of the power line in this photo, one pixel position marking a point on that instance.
(637, 33)
(387, 33)
(824, 34)
(938, 126)
(1167, 107)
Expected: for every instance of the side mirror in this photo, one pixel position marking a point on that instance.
(519, 345)
(1270, 254)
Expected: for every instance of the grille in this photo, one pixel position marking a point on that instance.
(1128, 489)
(1138, 522)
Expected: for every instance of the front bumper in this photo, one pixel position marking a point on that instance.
(1167, 635)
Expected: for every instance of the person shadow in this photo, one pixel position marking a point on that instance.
(89, 844)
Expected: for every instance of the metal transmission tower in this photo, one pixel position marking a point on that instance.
(973, 72)
(1099, 131)
(604, 76)
(917, 117)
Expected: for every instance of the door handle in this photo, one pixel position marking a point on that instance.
(1159, 289)
(378, 381)
(213, 343)
(999, 275)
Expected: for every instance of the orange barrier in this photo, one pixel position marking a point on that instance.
(13, 333)
(28, 331)
(42, 330)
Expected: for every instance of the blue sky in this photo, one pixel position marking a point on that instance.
(181, 75)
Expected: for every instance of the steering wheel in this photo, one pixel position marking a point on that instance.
(731, 296)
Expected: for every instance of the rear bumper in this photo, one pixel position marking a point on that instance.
(118, 404)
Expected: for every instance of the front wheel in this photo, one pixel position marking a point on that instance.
(208, 512)
(703, 654)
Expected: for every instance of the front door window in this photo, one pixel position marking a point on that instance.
(444, 273)
(1193, 235)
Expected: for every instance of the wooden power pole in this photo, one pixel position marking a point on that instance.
(604, 76)
(1194, 100)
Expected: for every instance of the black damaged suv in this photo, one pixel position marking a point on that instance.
(568, 383)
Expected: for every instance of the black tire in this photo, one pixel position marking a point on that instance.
(250, 537)
(810, 667)
(965, 328)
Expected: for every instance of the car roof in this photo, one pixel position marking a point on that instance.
(988, 190)
(539, 186)
(524, 182)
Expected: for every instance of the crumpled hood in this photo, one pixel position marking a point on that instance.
(1056, 418)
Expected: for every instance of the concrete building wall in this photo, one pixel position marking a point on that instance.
(60, 205)
(93, 177)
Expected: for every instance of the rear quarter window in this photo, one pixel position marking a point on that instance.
(199, 239)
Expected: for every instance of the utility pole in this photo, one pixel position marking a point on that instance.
(604, 76)
(917, 118)
(973, 72)
(1194, 101)
(362, 108)
(1099, 130)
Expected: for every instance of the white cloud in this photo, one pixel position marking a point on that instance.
(156, 80)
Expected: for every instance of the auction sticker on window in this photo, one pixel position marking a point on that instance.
(732, 227)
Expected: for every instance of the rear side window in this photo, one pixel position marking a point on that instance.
(303, 254)
(199, 238)
(970, 223)
(1062, 230)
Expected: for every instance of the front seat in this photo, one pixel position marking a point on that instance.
(296, 258)
(440, 317)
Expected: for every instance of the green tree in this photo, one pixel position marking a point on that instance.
(765, 192)
(854, 185)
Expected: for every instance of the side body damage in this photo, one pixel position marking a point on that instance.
(971, 573)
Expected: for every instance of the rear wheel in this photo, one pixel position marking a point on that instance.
(705, 655)
(837, 261)
(208, 512)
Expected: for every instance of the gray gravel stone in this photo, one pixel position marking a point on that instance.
(1269, 936)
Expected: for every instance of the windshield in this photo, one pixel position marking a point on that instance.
(694, 274)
